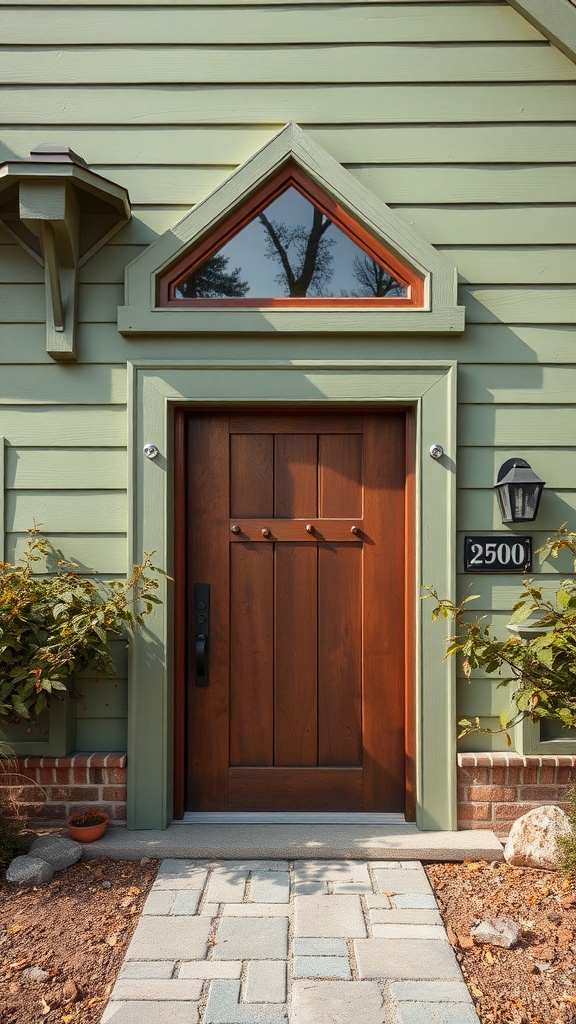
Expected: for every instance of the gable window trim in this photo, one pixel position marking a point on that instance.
(290, 175)
(439, 314)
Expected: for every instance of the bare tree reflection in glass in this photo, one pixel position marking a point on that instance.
(304, 255)
(374, 279)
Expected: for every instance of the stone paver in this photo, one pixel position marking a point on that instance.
(325, 1002)
(406, 958)
(213, 946)
(337, 916)
(266, 981)
(251, 938)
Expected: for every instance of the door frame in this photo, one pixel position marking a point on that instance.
(157, 389)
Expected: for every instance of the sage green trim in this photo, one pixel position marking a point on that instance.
(58, 731)
(441, 314)
(156, 388)
(556, 19)
(2, 498)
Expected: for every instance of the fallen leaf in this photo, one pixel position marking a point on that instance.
(453, 938)
(488, 957)
(18, 965)
(70, 991)
(134, 890)
(466, 941)
(112, 939)
(46, 1008)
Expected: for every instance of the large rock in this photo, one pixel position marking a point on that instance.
(496, 931)
(532, 842)
(29, 871)
(57, 850)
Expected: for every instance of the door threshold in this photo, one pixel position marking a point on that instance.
(290, 818)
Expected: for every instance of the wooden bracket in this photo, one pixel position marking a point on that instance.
(61, 213)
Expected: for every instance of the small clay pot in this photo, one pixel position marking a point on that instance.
(88, 833)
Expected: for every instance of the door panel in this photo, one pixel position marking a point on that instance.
(297, 523)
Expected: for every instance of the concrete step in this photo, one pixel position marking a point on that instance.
(295, 840)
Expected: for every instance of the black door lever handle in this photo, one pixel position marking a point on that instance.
(199, 658)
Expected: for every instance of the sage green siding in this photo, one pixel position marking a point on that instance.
(455, 114)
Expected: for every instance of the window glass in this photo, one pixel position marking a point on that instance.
(290, 249)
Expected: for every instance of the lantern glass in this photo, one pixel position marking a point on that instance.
(518, 491)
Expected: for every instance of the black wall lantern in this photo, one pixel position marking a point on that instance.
(518, 490)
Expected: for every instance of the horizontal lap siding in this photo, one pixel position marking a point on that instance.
(459, 115)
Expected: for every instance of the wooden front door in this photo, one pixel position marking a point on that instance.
(296, 522)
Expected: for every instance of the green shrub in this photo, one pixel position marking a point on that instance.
(54, 627)
(12, 838)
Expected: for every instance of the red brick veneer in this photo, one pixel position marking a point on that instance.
(65, 785)
(495, 789)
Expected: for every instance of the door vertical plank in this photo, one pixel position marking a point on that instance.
(252, 654)
(383, 696)
(296, 476)
(340, 476)
(295, 629)
(339, 655)
(251, 475)
(208, 486)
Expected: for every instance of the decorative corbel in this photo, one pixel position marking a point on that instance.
(61, 213)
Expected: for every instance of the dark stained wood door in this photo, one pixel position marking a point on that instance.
(297, 523)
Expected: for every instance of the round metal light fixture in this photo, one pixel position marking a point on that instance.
(518, 490)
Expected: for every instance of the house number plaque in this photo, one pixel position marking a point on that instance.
(504, 553)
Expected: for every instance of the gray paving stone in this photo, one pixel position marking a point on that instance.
(383, 916)
(224, 1007)
(320, 947)
(416, 901)
(151, 1013)
(390, 881)
(208, 969)
(406, 958)
(257, 938)
(266, 981)
(180, 874)
(270, 887)
(210, 910)
(390, 863)
(170, 938)
(332, 870)
(159, 903)
(430, 991)
(344, 1002)
(226, 885)
(435, 1013)
(314, 888)
(322, 967)
(346, 887)
(147, 969)
(255, 910)
(328, 916)
(409, 931)
(252, 865)
(379, 902)
(186, 902)
(156, 989)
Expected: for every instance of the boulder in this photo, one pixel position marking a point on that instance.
(57, 850)
(532, 840)
(496, 931)
(29, 871)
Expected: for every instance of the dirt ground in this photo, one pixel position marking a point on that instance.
(535, 982)
(75, 930)
(61, 945)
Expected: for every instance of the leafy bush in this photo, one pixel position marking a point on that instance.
(12, 840)
(54, 627)
(543, 668)
(567, 843)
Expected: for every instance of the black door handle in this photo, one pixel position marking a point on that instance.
(201, 633)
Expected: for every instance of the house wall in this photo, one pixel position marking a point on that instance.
(455, 114)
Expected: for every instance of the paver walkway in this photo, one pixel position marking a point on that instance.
(305, 942)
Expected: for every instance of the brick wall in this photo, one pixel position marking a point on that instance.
(52, 788)
(495, 789)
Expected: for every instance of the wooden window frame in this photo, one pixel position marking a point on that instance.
(291, 176)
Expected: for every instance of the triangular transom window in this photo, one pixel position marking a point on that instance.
(290, 243)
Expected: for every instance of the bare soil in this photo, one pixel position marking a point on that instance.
(535, 982)
(76, 930)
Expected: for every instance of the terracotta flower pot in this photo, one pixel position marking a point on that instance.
(89, 832)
